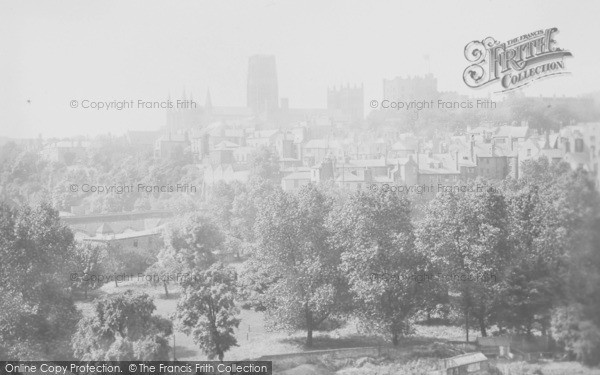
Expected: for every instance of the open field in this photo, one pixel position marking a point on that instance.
(254, 340)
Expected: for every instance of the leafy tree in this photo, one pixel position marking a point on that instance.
(89, 258)
(466, 236)
(37, 315)
(220, 203)
(244, 208)
(165, 269)
(207, 311)
(192, 240)
(264, 164)
(375, 233)
(292, 246)
(122, 328)
(580, 336)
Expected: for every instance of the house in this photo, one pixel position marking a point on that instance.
(263, 138)
(464, 364)
(495, 162)
(359, 148)
(403, 148)
(89, 225)
(148, 241)
(377, 167)
(315, 150)
(137, 231)
(226, 173)
(354, 180)
(403, 170)
(223, 153)
(511, 136)
(295, 180)
(242, 154)
(170, 145)
(437, 169)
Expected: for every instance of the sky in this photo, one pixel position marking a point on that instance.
(56, 51)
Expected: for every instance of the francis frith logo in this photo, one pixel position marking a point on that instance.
(514, 63)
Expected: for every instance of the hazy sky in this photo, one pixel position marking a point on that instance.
(52, 52)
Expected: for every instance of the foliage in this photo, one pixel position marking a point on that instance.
(89, 258)
(264, 164)
(292, 247)
(37, 315)
(375, 233)
(192, 240)
(207, 311)
(466, 237)
(122, 328)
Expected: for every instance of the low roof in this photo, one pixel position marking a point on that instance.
(298, 175)
(465, 359)
(513, 131)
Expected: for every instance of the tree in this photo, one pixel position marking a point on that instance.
(579, 335)
(292, 246)
(466, 236)
(89, 258)
(123, 328)
(264, 164)
(220, 203)
(375, 234)
(37, 315)
(165, 269)
(207, 311)
(245, 206)
(532, 282)
(192, 240)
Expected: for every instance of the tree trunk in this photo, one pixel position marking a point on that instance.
(395, 340)
(482, 326)
(86, 291)
(467, 323)
(309, 328)
(116, 283)
(166, 290)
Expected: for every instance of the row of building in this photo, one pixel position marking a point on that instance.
(359, 158)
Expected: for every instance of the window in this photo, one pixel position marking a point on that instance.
(135, 243)
(579, 145)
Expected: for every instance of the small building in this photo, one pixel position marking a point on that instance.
(295, 180)
(465, 364)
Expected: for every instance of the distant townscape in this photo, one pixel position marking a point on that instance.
(422, 231)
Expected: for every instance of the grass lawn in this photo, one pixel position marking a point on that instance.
(253, 339)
